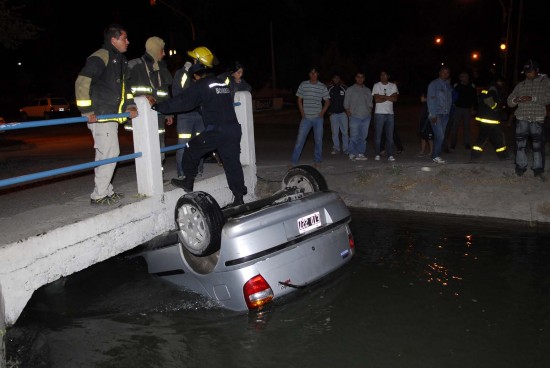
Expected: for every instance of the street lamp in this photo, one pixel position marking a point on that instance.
(179, 12)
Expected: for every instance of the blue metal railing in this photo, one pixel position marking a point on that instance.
(73, 168)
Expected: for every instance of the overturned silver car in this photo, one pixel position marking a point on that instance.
(247, 256)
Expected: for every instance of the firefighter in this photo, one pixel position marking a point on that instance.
(149, 75)
(222, 129)
(489, 115)
(189, 123)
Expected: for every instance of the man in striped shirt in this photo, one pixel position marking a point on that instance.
(311, 94)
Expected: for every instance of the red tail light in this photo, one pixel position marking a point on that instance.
(257, 292)
(351, 241)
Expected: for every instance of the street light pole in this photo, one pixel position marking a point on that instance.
(506, 15)
(179, 12)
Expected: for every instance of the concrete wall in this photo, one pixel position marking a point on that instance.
(30, 263)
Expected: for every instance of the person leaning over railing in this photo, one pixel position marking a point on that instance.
(100, 90)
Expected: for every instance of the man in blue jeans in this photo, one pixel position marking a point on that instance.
(358, 105)
(439, 100)
(385, 94)
(311, 94)
(337, 115)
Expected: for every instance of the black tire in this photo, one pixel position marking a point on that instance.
(199, 223)
(46, 116)
(24, 116)
(305, 177)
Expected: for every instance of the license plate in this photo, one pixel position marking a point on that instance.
(309, 222)
(61, 109)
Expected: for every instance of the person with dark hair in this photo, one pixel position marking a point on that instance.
(222, 132)
(358, 104)
(464, 107)
(385, 95)
(233, 77)
(337, 115)
(310, 95)
(149, 75)
(530, 96)
(100, 90)
(439, 101)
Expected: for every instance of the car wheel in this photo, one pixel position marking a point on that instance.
(199, 223)
(24, 116)
(305, 177)
(46, 116)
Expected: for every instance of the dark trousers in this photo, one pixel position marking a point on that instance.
(492, 133)
(396, 140)
(533, 130)
(226, 140)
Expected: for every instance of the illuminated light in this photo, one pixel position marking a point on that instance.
(351, 241)
(475, 55)
(257, 292)
(438, 40)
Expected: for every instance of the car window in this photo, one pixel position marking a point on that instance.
(59, 101)
(43, 102)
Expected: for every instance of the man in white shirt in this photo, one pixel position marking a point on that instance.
(385, 94)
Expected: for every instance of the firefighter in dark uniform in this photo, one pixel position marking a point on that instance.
(222, 129)
(489, 116)
(189, 123)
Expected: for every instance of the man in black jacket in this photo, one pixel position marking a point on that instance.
(149, 75)
(222, 129)
(100, 90)
(463, 109)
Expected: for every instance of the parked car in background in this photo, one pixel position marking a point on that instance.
(46, 108)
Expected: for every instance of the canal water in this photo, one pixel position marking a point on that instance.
(421, 291)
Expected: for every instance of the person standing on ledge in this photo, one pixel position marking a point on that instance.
(439, 100)
(100, 90)
(222, 130)
(530, 96)
(311, 94)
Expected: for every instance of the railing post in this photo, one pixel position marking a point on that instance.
(243, 109)
(2, 331)
(146, 141)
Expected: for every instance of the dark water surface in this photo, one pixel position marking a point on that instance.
(421, 291)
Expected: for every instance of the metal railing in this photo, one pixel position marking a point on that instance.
(147, 115)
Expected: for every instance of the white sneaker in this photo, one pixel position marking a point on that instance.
(361, 157)
(438, 160)
(334, 152)
(391, 158)
(352, 157)
(377, 158)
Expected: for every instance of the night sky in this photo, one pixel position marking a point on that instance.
(344, 37)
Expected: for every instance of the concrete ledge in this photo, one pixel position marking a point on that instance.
(74, 247)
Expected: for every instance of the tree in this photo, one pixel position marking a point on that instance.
(14, 29)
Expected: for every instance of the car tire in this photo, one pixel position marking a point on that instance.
(46, 116)
(24, 116)
(305, 177)
(199, 223)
